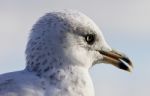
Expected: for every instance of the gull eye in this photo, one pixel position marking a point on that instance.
(90, 38)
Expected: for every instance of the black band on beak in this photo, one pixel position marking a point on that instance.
(117, 59)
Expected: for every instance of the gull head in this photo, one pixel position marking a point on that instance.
(70, 38)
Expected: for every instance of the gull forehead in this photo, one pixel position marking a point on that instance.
(64, 21)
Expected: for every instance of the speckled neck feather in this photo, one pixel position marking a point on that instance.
(45, 55)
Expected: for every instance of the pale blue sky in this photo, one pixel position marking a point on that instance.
(125, 25)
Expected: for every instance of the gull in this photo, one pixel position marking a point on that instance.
(62, 48)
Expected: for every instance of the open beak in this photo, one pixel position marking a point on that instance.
(117, 59)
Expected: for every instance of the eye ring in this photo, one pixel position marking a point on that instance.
(90, 38)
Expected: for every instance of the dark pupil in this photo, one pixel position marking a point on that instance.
(90, 38)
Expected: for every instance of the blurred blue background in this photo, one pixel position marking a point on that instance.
(124, 23)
